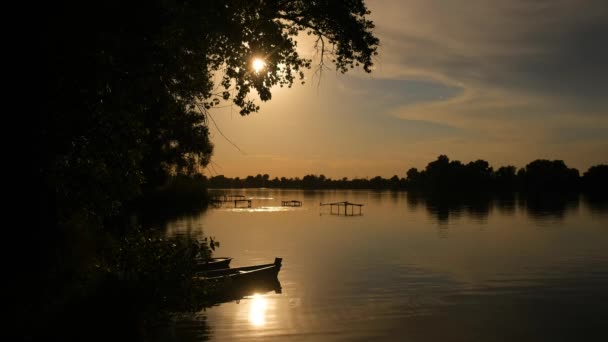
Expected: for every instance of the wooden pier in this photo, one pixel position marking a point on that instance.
(344, 204)
(236, 199)
(292, 203)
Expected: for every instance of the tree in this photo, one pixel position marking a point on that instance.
(129, 87)
(549, 175)
(395, 182)
(506, 177)
(412, 174)
(596, 179)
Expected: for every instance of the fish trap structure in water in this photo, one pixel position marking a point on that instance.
(292, 203)
(236, 199)
(346, 205)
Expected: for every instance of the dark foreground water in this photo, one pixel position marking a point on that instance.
(410, 269)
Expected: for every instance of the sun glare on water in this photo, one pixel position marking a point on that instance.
(258, 65)
(257, 311)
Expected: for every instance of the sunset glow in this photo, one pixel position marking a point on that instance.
(428, 97)
(346, 170)
(258, 65)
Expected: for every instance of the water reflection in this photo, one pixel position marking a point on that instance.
(597, 204)
(194, 327)
(444, 208)
(388, 275)
(257, 311)
(549, 207)
(258, 209)
(253, 288)
(506, 203)
(182, 327)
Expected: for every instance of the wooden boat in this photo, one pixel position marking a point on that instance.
(239, 273)
(213, 264)
(231, 293)
(234, 283)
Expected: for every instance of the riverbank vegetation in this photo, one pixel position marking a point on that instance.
(125, 102)
(443, 175)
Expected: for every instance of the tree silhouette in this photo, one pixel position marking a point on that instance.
(538, 176)
(127, 92)
(451, 178)
(547, 175)
(129, 86)
(595, 179)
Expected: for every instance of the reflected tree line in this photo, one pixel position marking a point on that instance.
(478, 206)
(443, 176)
(544, 189)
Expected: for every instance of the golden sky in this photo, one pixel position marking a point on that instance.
(503, 81)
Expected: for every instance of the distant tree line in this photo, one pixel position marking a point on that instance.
(443, 175)
(307, 182)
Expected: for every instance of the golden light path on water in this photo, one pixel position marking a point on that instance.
(257, 310)
(408, 266)
(261, 209)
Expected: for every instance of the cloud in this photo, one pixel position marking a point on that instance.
(538, 48)
(505, 81)
(526, 69)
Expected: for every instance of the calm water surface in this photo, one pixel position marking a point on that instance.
(410, 269)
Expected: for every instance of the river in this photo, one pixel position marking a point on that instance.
(409, 268)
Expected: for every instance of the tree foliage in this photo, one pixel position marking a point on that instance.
(127, 92)
(538, 176)
(596, 179)
(443, 176)
(129, 85)
(309, 181)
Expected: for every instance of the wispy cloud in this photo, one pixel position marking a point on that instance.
(527, 69)
(539, 48)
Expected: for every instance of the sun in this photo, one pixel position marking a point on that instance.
(258, 64)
